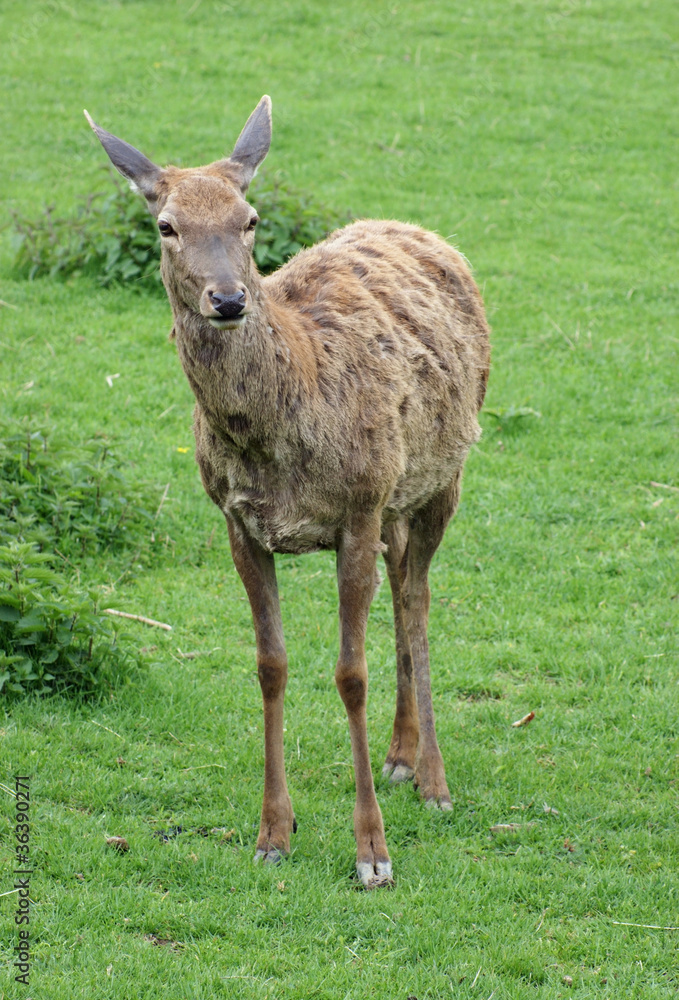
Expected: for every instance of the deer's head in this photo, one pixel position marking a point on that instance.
(206, 225)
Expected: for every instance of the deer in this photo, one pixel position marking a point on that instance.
(336, 400)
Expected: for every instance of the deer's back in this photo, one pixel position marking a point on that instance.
(401, 342)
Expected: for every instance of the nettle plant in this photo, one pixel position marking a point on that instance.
(51, 634)
(59, 506)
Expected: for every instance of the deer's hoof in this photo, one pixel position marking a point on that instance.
(445, 805)
(397, 773)
(271, 857)
(401, 773)
(375, 876)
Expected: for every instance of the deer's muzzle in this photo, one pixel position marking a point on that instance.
(225, 309)
(228, 306)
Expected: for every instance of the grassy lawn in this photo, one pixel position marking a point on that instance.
(542, 137)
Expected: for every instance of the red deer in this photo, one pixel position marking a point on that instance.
(336, 401)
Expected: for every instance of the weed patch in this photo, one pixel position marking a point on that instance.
(58, 505)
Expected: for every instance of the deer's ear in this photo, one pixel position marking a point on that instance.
(253, 142)
(132, 164)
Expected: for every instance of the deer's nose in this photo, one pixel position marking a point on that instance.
(228, 306)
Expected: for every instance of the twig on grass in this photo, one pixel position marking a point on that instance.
(510, 827)
(650, 927)
(198, 652)
(200, 767)
(138, 618)
(524, 721)
(664, 486)
(107, 729)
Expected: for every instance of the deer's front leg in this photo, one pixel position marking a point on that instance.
(357, 574)
(257, 571)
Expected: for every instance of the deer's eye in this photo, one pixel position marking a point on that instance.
(252, 223)
(165, 229)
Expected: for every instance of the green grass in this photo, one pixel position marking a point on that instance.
(544, 136)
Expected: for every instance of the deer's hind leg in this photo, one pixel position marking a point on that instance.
(401, 757)
(426, 530)
(256, 569)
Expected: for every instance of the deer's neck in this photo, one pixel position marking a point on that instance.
(250, 371)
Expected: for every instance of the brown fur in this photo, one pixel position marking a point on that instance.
(336, 415)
